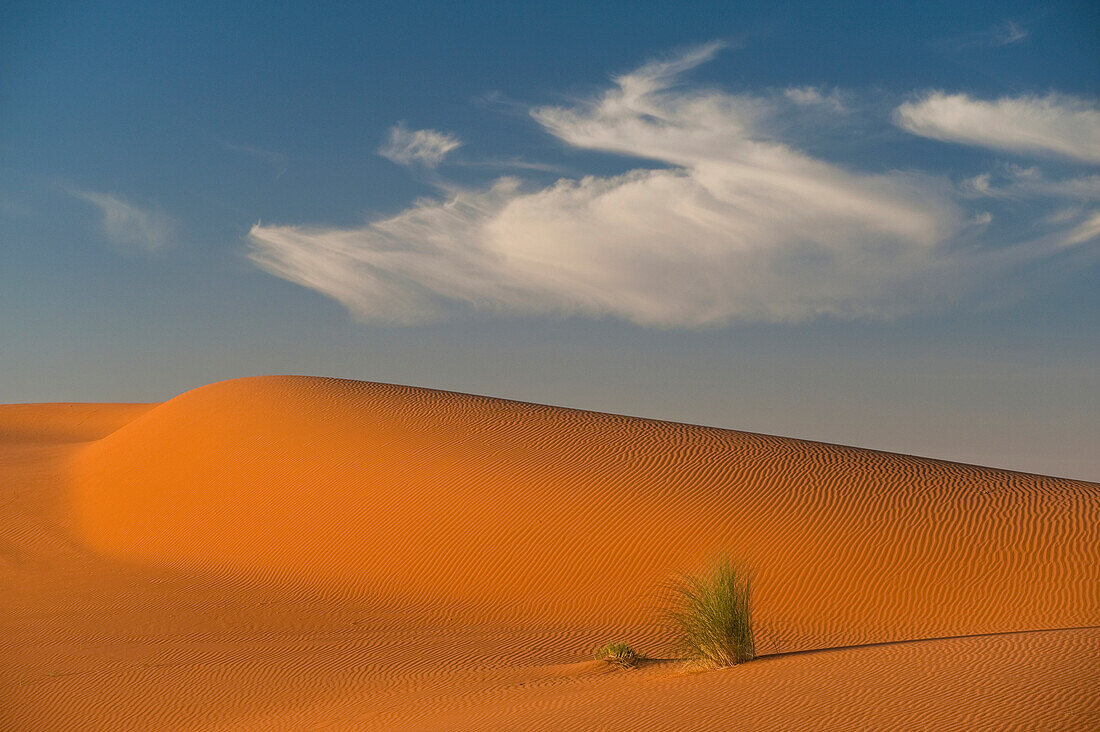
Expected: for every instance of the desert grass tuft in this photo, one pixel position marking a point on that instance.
(619, 654)
(711, 615)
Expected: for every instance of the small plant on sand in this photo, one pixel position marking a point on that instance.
(711, 615)
(619, 654)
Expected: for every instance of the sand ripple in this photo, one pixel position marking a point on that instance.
(292, 552)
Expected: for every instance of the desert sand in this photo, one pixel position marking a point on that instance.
(306, 553)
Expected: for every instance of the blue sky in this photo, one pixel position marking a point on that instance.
(854, 222)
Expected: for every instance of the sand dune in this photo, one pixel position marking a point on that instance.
(59, 423)
(283, 552)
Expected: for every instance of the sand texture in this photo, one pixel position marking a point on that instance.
(299, 553)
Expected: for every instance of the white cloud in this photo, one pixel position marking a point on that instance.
(1054, 125)
(739, 226)
(399, 270)
(1006, 34)
(980, 186)
(1076, 221)
(423, 147)
(730, 223)
(1017, 182)
(1087, 230)
(514, 163)
(130, 226)
(810, 96)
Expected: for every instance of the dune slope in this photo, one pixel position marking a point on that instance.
(279, 552)
(505, 511)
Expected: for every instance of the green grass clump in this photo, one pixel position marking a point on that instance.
(711, 615)
(619, 654)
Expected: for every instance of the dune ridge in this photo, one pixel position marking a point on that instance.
(531, 514)
(285, 552)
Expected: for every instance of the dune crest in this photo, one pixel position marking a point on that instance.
(300, 553)
(501, 511)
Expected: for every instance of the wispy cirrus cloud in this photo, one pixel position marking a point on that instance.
(1055, 124)
(1086, 229)
(417, 147)
(729, 223)
(1077, 217)
(1017, 181)
(513, 163)
(129, 225)
(811, 96)
(1005, 33)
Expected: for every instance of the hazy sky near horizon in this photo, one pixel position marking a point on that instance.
(854, 222)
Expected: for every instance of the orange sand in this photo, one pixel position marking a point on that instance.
(290, 552)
